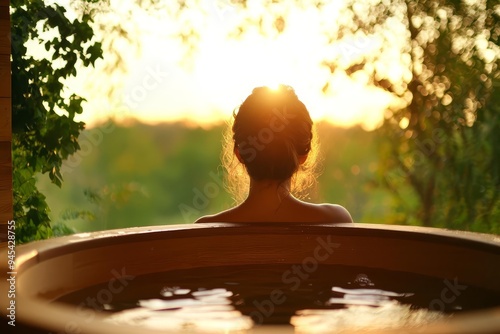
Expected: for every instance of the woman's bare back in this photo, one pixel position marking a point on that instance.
(288, 210)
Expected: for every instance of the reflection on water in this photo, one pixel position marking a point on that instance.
(365, 309)
(211, 311)
(388, 315)
(208, 311)
(236, 299)
(371, 297)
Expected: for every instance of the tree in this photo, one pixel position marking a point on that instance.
(44, 130)
(443, 145)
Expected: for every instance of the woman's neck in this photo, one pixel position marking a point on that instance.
(268, 190)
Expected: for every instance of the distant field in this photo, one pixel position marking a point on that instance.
(170, 174)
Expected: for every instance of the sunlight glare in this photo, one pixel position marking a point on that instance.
(273, 85)
(225, 70)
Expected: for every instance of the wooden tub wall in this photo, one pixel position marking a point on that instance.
(50, 269)
(75, 263)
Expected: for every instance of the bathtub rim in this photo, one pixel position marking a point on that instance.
(60, 245)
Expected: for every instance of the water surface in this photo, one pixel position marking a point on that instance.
(330, 298)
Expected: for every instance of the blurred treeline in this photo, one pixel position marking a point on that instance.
(140, 174)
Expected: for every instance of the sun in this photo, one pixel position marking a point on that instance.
(274, 85)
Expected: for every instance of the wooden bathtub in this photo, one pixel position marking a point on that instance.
(49, 269)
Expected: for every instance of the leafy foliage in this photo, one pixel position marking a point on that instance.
(444, 144)
(44, 131)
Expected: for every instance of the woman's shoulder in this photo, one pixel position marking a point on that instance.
(337, 212)
(208, 219)
(330, 213)
(220, 217)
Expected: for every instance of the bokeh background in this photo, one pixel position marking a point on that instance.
(119, 107)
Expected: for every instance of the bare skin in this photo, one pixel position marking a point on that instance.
(271, 201)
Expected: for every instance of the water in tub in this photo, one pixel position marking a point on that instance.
(328, 299)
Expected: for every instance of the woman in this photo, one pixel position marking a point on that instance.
(270, 155)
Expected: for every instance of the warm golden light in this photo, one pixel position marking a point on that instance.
(223, 70)
(274, 85)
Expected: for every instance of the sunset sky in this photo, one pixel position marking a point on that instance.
(161, 84)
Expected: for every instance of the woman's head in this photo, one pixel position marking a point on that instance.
(272, 138)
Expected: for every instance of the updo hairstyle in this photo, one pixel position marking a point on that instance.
(272, 131)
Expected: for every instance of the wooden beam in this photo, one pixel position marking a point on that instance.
(5, 119)
(5, 30)
(6, 200)
(5, 77)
